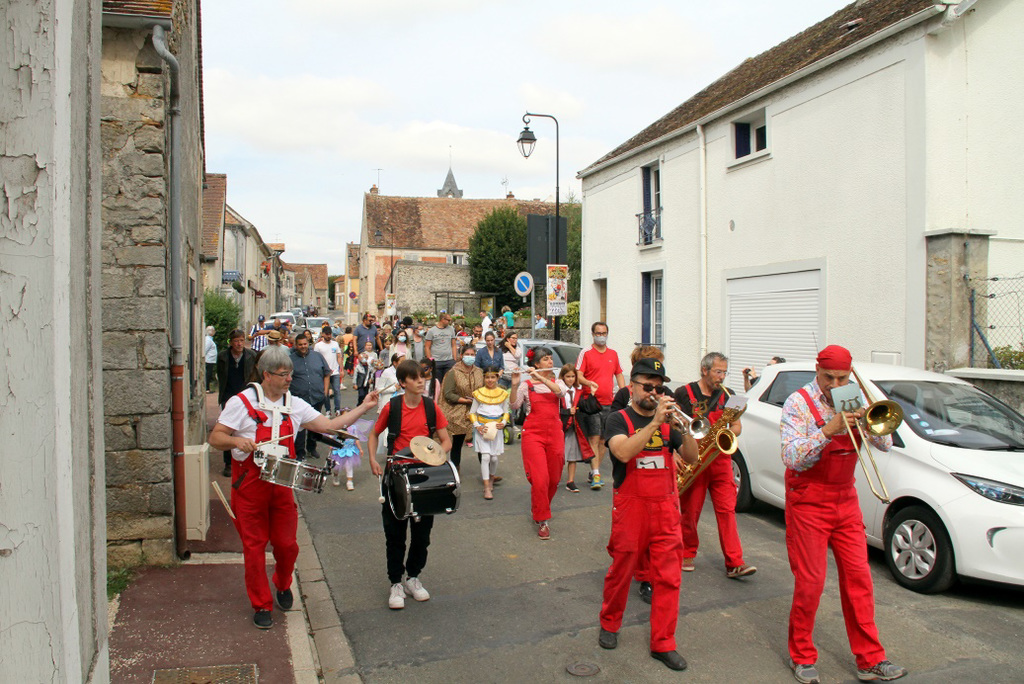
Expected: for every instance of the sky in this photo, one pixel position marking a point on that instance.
(309, 102)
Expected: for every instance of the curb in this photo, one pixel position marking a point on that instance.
(330, 656)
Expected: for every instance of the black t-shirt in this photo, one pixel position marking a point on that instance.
(616, 425)
(703, 405)
(621, 399)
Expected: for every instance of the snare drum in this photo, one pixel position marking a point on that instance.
(416, 489)
(290, 473)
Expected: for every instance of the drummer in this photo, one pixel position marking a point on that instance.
(267, 416)
(406, 416)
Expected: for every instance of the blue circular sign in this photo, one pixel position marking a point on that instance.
(523, 283)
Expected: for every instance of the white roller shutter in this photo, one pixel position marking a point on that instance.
(772, 315)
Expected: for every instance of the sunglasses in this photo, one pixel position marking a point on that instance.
(652, 389)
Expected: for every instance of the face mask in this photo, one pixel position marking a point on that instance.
(600, 339)
(401, 338)
(468, 360)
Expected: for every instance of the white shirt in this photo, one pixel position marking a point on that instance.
(485, 324)
(330, 351)
(235, 417)
(210, 350)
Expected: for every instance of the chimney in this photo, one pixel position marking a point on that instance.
(510, 196)
(373, 189)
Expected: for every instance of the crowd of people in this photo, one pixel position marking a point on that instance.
(463, 390)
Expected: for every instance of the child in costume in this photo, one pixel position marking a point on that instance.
(347, 457)
(490, 408)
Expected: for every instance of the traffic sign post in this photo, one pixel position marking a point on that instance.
(523, 285)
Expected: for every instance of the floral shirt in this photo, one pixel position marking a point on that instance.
(802, 439)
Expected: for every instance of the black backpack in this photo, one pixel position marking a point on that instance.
(395, 419)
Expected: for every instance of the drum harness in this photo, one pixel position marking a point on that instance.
(261, 417)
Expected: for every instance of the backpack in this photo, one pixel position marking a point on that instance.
(395, 419)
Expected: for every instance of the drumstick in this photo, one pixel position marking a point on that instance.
(273, 441)
(380, 485)
(220, 494)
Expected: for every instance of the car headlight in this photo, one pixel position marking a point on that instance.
(990, 489)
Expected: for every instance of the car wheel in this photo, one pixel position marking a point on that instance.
(918, 551)
(741, 477)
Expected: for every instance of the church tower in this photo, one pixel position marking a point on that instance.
(450, 189)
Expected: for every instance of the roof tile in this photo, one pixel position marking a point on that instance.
(215, 192)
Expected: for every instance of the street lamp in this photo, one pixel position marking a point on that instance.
(527, 141)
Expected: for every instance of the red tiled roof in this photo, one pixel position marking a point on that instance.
(353, 259)
(214, 196)
(825, 38)
(440, 223)
(317, 271)
(144, 8)
(276, 246)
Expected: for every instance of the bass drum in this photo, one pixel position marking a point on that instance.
(417, 489)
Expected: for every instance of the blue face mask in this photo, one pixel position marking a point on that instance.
(401, 338)
(468, 360)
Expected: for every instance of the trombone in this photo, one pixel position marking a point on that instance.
(881, 418)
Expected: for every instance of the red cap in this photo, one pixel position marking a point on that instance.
(834, 357)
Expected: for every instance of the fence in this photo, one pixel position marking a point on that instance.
(997, 322)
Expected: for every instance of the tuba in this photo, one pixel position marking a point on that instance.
(719, 439)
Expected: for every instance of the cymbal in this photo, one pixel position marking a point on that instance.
(345, 435)
(427, 450)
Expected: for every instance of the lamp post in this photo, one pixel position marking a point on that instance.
(526, 142)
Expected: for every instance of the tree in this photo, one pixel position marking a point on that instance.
(497, 252)
(223, 314)
(572, 210)
(330, 286)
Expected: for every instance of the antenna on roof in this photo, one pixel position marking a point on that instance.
(378, 178)
(504, 182)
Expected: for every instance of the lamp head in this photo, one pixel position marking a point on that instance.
(526, 141)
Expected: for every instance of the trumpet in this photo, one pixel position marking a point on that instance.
(881, 418)
(697, 427)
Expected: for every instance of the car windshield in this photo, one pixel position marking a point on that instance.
(956, 415)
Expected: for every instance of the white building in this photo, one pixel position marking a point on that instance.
(821, 192)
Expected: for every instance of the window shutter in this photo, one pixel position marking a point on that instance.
(742, 139)
(645, 175)
(645, 308)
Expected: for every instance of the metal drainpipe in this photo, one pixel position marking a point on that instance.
(702, 141)
(176, 248)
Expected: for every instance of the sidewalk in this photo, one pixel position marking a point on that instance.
(192, 623)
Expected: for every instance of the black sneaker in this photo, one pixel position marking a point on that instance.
(285, 600)
(571, 487)
(227, 471)
(672, 659)
(607, 639)
(263, 620)
(645, 592)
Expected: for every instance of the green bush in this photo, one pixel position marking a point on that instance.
(572, 318)
(1010, 358)
(223, 314)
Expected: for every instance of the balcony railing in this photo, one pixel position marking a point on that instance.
(649, 225)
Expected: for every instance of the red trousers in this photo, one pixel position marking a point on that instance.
(642, 525)
(717, 479)
(543, 458)
(819, 516)
(264, 512)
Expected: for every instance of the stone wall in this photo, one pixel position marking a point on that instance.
(417, 281)
(135, 272)
(1005, 385)
(951, 257)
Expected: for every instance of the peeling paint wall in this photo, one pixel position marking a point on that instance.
(136, 289)
(52, 556)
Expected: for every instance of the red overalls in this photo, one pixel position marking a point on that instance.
(716, 478)
(822, 510)
(264, 512)
(543, 451)
(645, 521)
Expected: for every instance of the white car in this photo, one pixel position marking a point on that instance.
(955, 474)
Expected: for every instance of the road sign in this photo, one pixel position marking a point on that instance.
(523, 284)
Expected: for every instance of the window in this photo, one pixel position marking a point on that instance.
(750, 134)
(650, 219)
(652, 328)
(459, 259)
(784, 385)
(411, 257)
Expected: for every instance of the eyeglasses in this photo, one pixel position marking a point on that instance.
(649, 388)
(281, 374)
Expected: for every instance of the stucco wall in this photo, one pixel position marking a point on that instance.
(52, 561)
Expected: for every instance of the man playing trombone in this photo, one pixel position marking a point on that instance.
(822, 510)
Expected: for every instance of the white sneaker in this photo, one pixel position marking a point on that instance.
(343, 386)
(336, 478)
(416, 590)
(349, 486)
(397, 599)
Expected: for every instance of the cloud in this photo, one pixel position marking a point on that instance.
(546, 100)
(403, 11)
(658, 40)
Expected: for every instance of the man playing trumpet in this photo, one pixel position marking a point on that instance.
(645, 513)
(822, 510)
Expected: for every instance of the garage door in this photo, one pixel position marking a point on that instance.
(772, 315)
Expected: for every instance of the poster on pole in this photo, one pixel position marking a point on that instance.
(390, 304)
(558, 290)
